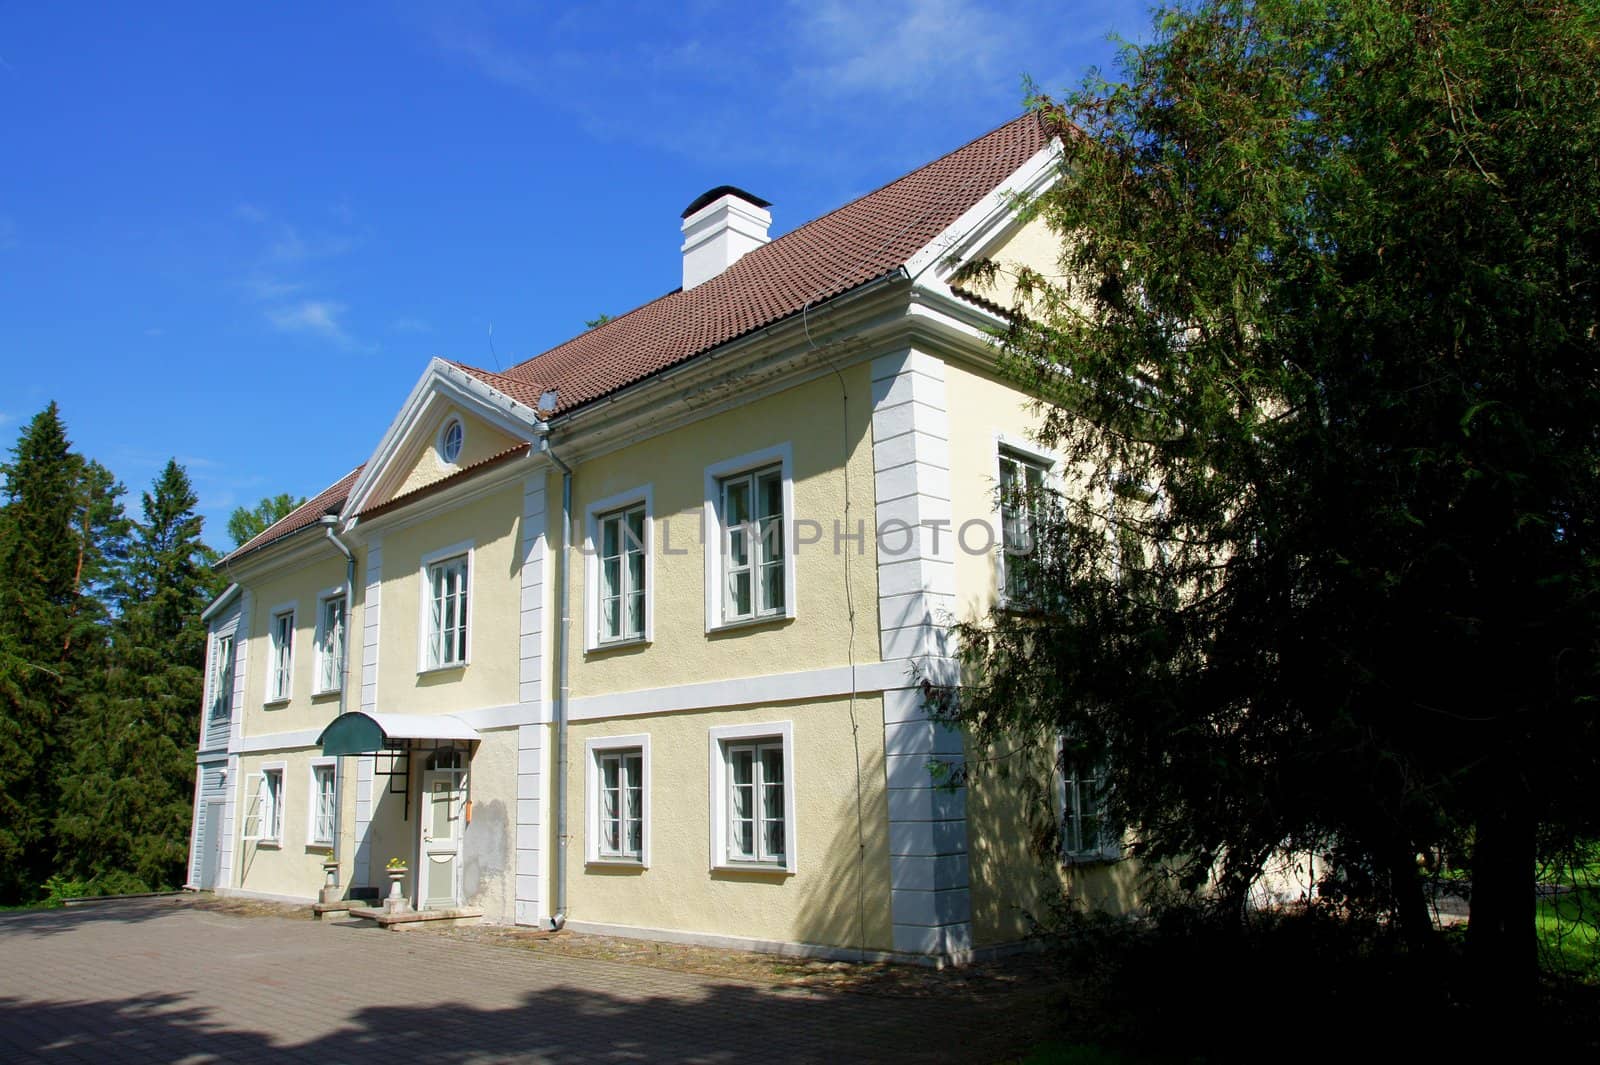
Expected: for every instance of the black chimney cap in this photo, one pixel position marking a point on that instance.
(717, 194)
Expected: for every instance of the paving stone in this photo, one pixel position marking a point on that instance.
(162, 981)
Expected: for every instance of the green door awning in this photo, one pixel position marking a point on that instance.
(359, 732)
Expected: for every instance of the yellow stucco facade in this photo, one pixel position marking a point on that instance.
(875, 859)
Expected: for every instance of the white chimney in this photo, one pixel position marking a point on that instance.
(718, 228)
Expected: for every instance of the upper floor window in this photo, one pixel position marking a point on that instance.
(1023, 481)
(749, 526)
(330, 643)
(221, 703)
(451, 437)
(620, 574)
(446, 634)
(280, 674)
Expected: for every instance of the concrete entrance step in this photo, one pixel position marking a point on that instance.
(405, 919)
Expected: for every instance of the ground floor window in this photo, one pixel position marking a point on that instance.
(752, 798)
(618, 770)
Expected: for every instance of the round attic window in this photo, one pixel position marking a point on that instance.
(450, 440)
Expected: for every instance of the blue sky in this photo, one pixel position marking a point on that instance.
(235, 235)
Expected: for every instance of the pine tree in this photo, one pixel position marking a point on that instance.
(126, 801)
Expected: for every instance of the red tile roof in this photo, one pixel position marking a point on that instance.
(859, 242)
(328, 501)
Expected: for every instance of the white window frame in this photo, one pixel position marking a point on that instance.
(592, 516)
(782, 456)
(314, 800)
(444, 433)
(280, 681)
(269, 816)
(1069, 778)
(465, 549)
(1049, 463)
(593, 749)
(218, 693)
(318, 687)
(720, 740)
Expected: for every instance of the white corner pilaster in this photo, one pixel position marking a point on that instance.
(532, 750)
(531, 777)
(371, 611)
(366, 766)
(930, 899)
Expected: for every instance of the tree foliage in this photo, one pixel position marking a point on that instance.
(1321, 363)
(127, 784)
(101, 652)
(246, 523)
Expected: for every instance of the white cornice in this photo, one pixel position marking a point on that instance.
(440, 384)
(985, 219)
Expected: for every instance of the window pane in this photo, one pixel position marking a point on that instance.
(770, 494)
(609, 546)
(736, 501)
(611, 577)
(739, 593)
(772, 587)
(610, 618)
(635, 538)
(636, 572)
(636, 614)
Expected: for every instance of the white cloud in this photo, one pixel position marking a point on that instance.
(901, 47)
(265, 289)
(317, 317)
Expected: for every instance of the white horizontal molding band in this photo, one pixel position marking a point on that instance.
(488, 717)
(746, 691)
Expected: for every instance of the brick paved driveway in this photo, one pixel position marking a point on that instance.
(161, 981)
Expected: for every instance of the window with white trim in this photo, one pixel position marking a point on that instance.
(221, 702)
(330, 643)
(753, 797)
(263, 819)
(446, 640)
(1023, 480)
(324, 803)
(1087, 834)
(451, 437)
(620, 547)
(280, 673)
(750, 519)
(617, 786)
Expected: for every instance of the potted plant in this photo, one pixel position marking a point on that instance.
(397, 870)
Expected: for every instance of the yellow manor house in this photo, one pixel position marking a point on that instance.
(627, 638)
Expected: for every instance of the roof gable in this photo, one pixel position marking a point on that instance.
(501, 419)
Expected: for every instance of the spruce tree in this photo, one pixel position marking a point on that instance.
(40, 642)
(126, 806)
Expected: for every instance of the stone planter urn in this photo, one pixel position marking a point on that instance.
(396, 902)
(330, 882)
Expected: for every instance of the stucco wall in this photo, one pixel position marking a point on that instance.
(298, 588)
(423, 465)
(293, 866)
(821, 429)
(679, 890)
(490, 676)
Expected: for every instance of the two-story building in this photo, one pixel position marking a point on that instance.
(628, 637)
